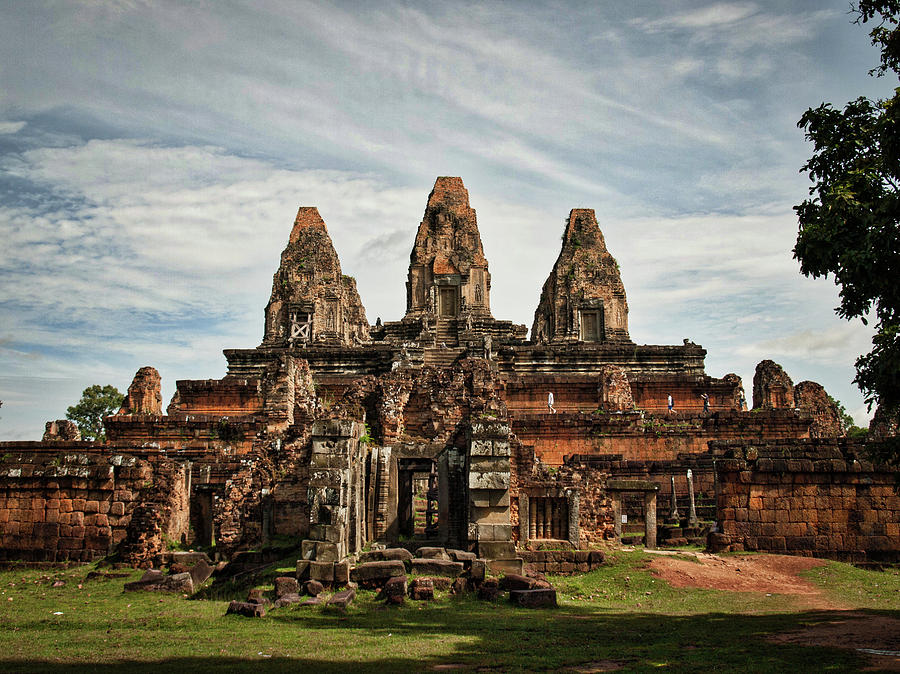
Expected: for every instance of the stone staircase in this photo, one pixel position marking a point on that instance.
(445, 333)
(438, 357)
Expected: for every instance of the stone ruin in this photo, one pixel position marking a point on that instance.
(434, 431)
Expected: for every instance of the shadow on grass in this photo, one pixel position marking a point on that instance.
(467, 635)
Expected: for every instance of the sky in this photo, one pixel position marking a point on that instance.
(153, 156)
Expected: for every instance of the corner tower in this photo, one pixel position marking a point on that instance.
(312, 301)
(583, 299)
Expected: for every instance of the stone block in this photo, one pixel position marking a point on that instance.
(421, 589)
(478, 570)
(489, 499)
(326, 551)
(313, 588)
(489, 480)
(489, 590)
(286, 585)
(505, 566)
(432, 553)
(322, 572)
(333, 533)
(387, 554)
(513, 581)
(496, 549)
(437, 567)
(342, 572)
(200, 572)
(481, 448)
(308, 549)
(343, 599)
(462, 556)
(246, 609)
(394, 590)
(288, 599)
(375, 574)
(302, 569)
(534, 598)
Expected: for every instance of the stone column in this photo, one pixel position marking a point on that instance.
(673, 509)
(489, 523)
(650, 520)
(692, 516)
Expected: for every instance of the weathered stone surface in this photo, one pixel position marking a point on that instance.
(583, 299)
(489, 589)
(342, 572)
(179, 583)
(811, 397)
(61, 430)
(437, 567)
(461, 556)
(342, 599)
(615, 391)
(394, 590)
(772, 387)
(514, 581)
(312, 301)
(421, 589)
(246, 609)
(287, 599)
(375, 574)
(387, 554)
(302, 569)
(200, 572)
(496, 549)
(285, 585)
(313, 588)
(144, 394)
(322, 572)
(432, 553)
(884, 424)
(534, 598)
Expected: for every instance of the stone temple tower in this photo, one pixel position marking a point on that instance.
(583, 299)
(312, 302)
(448, 273)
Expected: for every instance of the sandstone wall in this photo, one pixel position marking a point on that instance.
(818, 498)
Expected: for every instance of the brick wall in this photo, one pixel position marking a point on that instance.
(820, 498)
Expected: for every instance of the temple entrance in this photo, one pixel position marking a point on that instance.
(417, 499)
(447, 302)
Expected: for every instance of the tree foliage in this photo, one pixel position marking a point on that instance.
(850, 227)
(96, 402)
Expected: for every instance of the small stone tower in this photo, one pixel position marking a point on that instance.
(583, 299)
(312, 302)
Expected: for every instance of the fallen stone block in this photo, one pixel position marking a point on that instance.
(285, 585)
(489, 590)
(375, 574)
(478, 570)
(313, 588)
(386, 555)
(506, 566)
(436, 567)
(421, 589)
(179, 583)
(342, 572)
(200, 572)
(466, 558)
(432, 553)
(460, 586)
(311, 601)
(256, 596)
(514, 581)
(287, 599)
(443, 583)
(302, 569)
(246, 609)
(394, 590)
(536, 598)
(342, 599)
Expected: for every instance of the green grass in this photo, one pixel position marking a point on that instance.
(619, 612)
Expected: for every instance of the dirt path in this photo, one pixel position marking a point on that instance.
(777, 574)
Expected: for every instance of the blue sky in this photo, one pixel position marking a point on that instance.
(153, 155)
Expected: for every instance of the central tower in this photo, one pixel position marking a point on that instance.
(448, 273)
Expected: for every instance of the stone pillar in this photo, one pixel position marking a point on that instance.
(617, 512)
(489, 524)
(336, 491)
(692, 516)
(650, 520)
(673, 508)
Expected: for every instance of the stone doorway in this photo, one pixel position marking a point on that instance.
(417, 499)
(448, 302)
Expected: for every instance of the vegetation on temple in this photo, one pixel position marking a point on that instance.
(95, 403)
(850, 227)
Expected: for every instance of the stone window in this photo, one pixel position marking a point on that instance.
(591, 325)
(548, 517)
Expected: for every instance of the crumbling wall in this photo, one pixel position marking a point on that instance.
(79, 506)
(811, 397)
(820, 498)
(61, 430)
(144, 394)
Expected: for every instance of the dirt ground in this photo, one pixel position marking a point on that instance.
(777, 574)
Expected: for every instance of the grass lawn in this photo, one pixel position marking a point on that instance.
(619, 614)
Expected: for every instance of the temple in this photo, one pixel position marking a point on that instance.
(450, 427)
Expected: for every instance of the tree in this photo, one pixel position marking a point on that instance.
(850, 227)
(96, 402)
